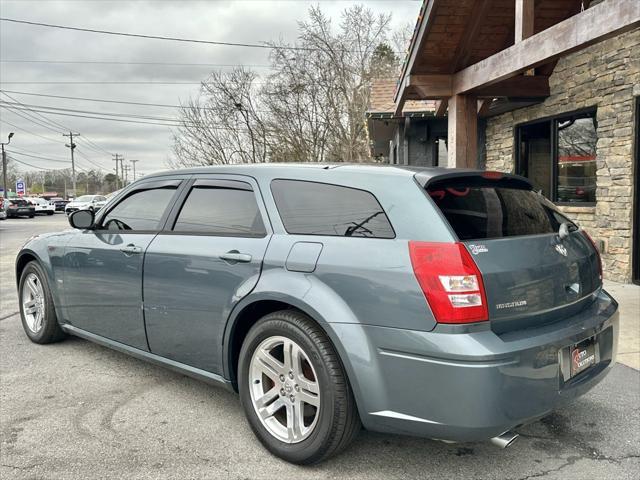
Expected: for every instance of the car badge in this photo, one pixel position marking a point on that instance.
(561, 249)
(476, 249)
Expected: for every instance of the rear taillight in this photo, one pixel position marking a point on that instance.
(593, 244)
(450, 280)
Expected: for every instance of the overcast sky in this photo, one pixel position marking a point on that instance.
(243, 21)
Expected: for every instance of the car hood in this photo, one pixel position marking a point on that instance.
(78, 204)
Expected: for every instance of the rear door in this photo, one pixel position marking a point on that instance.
(205, 261)
(532, 274)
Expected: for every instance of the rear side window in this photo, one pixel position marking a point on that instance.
(311, 208)
(478, 212)
(221, 211)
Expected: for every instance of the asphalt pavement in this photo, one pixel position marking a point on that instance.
(77, 410)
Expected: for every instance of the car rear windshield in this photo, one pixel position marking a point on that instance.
(477, 212)
(20, 203)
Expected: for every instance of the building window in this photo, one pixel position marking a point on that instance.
(558, 156)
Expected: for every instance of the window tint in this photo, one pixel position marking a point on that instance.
(310, 208)
(140, 211)
(486, 212)
(221, 211)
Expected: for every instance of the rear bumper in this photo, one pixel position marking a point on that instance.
(475, 385)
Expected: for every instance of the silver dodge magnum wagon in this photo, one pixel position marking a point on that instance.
(451, 304)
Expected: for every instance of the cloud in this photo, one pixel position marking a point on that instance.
(232, 21)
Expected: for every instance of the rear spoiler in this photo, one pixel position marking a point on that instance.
(471, 178)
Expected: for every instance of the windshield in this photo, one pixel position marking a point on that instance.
(84, 198)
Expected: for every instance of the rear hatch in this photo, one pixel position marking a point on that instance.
(532, 274)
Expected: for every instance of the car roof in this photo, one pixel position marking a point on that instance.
(279, 169)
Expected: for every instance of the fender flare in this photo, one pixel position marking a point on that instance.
(322, 305)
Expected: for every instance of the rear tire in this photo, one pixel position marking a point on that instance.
(32, 215)
(317, 376)
(37, 310)
(50, 213)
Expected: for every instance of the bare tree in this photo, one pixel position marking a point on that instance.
(310, 109)
(223, 124)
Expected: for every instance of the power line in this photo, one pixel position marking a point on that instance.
(29, 131)
(160, 64)
(49, 121)
(94, 117)
(100, 100)
(37, 156)
(157, 37)
(98, 83)
(46, 120)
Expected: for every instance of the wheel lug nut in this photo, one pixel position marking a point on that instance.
(282, 378)
(297, 387)
(282, 392)
(292, 398)
(291, 375)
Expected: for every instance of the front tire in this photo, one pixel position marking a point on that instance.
(294, 390)
(37, 310)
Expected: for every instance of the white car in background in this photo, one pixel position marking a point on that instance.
(86, 202)
(42, 205)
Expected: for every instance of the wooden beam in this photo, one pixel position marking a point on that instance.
(483, 106)
(462, 132)
(430, 86)
(425, 21)
(441, 107)
(602, 21)
(520, 86)
(524, 19)
(463, 51)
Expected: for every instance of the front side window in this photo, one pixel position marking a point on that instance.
(221, 211)
(559, 157)
(310, 208)
(142, 210)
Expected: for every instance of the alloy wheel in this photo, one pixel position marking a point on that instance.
(33, 302)
(284, 389)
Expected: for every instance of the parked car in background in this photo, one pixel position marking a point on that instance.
(453, 304)
(86, 202)
(41, 205)
(59, 203)
(19, 207)
(3, 212)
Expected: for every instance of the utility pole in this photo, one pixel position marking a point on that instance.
(117, 158)
(126, 173)
(133, 164)
(72, 146)
(4, 167)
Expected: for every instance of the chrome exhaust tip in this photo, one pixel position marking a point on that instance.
(505, 440)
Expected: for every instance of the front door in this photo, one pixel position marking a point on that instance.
(103, 267)
(207, 259)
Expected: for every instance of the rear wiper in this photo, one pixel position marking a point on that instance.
(356, 226)
(565, 229)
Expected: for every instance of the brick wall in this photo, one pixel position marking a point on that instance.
(605, 76)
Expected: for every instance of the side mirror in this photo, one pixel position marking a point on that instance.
(82, 219)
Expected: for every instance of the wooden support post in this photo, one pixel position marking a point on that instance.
(524, 19)
(462, 132)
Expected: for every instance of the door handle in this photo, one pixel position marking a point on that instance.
(234, 256)
(131, 249)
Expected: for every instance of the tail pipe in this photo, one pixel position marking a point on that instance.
(505, 440)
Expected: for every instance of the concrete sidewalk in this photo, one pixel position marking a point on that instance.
(628, 296)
